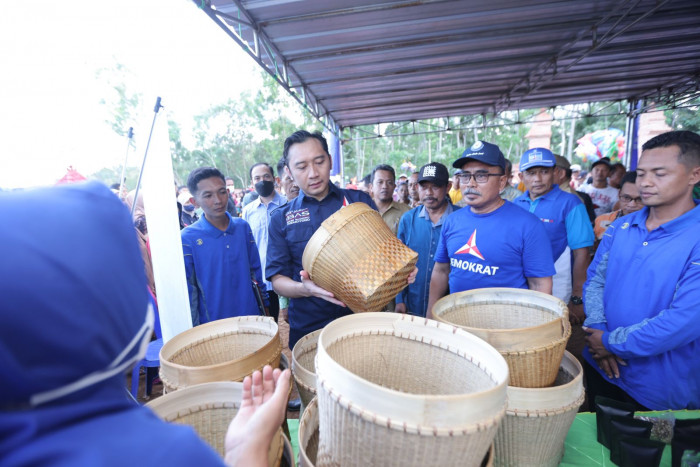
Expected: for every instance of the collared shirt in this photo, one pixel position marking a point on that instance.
(393, 214)
(501, 248)
(291, 227)
(510, 193)
(604, 199)
(219, 266)
(418, 232)
(564, 218)
(258, 216)
(643, 291)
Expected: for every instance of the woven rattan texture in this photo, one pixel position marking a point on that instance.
(361, 261)
(210, 422)
(221, 348)
(536, 439)
(408, 366)
(499, 315)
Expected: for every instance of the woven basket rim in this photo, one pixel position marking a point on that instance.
(174, 404)
(392, 404)
(544, 348)
(173, 345)
(547, 412)
(505, 296)
(300, 372)
(309, 420)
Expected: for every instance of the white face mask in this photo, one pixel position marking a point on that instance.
(118, 365)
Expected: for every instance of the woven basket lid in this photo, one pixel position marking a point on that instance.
(408, 410)
(209, 342)
(511, 319)
(174, 406)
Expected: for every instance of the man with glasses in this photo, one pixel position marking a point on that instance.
(567, 225)
(630, 202)
(491, 242)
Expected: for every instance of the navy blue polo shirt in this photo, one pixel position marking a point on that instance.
(219, 266)
(643, 291)
(501, 248)
(291, 227)
(564, 218)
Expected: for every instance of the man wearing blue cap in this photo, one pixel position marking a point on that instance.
(565, 219)
(490, 243)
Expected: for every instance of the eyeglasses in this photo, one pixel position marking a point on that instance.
(480, 177)
(627, 199)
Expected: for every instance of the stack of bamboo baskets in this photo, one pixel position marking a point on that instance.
(201, 370)
(399, 390)
(530, 329)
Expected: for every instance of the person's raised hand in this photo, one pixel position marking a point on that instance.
(263, 408)
(314, 290)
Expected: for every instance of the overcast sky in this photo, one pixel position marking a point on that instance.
(50, 112)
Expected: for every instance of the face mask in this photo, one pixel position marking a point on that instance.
(188, 208)
(265, 188)
(118, 365)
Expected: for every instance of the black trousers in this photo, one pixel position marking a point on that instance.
(596, 385)
(274, 307)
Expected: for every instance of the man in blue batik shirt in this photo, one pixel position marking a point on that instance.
(643, 287)
(491, 242)
(567, 225)
(221, 257)
(420, 229)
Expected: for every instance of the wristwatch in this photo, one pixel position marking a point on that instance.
(576, 300)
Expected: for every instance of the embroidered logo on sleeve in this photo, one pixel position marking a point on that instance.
(300, 215)
(199, 242)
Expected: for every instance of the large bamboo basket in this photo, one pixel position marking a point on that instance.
(537, 419)
(223, 350)
(209, 409)
(529, 328)
(308, 440)
(304, 366)
(397, 390)
(287, 453)
(356, 256)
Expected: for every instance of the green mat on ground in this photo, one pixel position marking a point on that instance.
(581, 445)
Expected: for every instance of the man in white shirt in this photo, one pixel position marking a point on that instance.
(603, 195)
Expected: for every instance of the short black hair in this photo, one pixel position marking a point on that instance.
(386, 168)
(300, 136)
(280, 167)
(197, 175)
(616, 166)
(367, 179)
(115, 186)
(629, 177)
(272, 171)
(687, 141)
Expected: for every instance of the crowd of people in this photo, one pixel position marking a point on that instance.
(621, 248)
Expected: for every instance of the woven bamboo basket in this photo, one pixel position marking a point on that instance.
(209, 409)
(223, 350)
(287, 454)
(538, 419)
(356, 256)
(396, 390)
(304, 367)
(529, 328)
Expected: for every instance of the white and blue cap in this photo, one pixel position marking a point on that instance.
(537, 157)
(482, 151)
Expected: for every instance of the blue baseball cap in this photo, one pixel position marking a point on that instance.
(537, 157)
(482, 151)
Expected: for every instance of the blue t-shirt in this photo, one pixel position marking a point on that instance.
(643, 291)
(219, 266)
(564, 217)
(501, 248)
(291, 227)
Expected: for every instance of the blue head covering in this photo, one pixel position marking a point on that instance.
(73, 287)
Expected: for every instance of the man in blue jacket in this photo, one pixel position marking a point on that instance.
(643, 287)
(420, 229)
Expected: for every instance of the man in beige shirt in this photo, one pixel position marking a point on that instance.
(383, 183)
